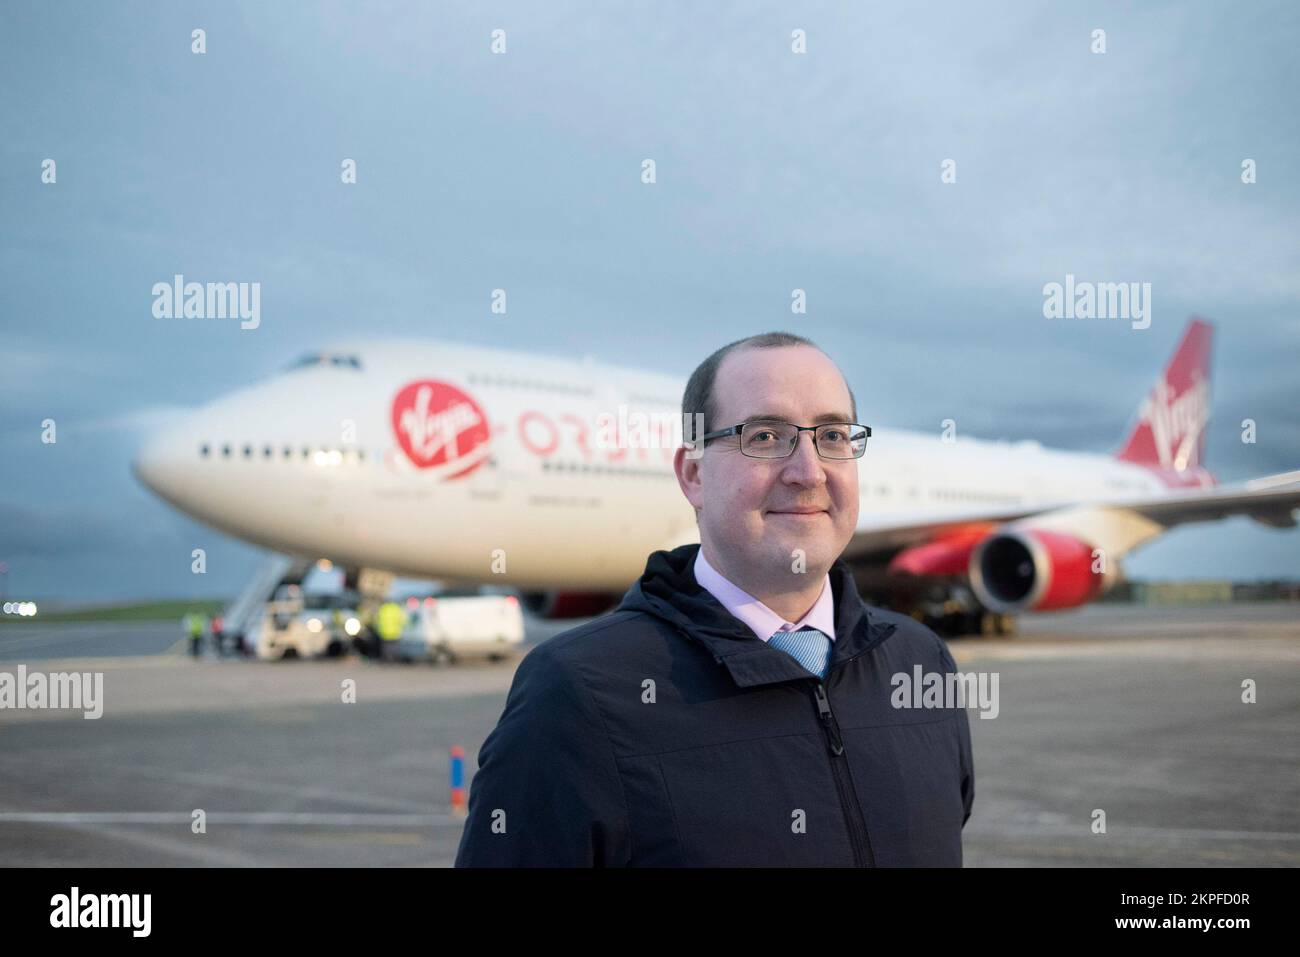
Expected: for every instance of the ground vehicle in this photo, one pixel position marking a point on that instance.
(298, 625)
(459, 623)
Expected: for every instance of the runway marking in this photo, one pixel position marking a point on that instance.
(326, 819)
(146, 659)
(1281, 649)
(232, 781)
(259, 818)
(1118, 833)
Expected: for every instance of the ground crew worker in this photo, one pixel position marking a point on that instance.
(390, 622)
(194, 627)
(218, 629)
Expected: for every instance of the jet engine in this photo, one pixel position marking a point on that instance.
(1028, 569)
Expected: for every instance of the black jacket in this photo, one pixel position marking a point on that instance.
(666, 734)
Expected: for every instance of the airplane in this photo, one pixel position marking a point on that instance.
(468, 464)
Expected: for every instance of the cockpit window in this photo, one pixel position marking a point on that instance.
(325, 359)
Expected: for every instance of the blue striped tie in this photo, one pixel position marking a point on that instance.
(808, 646)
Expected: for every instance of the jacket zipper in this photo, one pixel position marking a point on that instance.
(853, 817)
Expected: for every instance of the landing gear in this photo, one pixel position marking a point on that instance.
(948, 606)
(952, 611)
(994, 624)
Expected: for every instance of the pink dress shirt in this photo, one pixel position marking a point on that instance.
(763, 620)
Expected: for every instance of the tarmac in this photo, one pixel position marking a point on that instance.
(1135, 712)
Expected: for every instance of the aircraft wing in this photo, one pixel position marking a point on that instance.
(1270, 500)
(879, 536)
(1118, 525)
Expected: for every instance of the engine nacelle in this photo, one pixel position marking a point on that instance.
(1027, 569)
(568, 604)
(947, 554)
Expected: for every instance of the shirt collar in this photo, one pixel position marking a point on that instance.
(763, 621)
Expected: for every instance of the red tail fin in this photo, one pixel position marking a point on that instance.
(1170, 431)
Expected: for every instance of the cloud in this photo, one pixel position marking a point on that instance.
(142, 420)
(51, 531)
(776, 171)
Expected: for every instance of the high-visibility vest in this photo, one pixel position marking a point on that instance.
(390, 621)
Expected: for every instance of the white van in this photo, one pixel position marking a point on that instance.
(455, 624)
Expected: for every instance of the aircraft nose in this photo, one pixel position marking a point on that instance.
(160, 462)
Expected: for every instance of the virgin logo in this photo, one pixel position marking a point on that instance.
(440, 427)
(1176, 422)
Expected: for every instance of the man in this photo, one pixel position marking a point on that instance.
(390, 622)
(736, 708)
(218, 629)
(193, 623)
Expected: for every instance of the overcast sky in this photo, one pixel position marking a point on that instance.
(775, 170)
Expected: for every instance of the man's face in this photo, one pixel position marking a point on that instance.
(746, 504)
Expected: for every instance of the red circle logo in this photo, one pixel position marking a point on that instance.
(440, 427)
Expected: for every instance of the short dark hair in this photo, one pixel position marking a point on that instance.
(698, 396)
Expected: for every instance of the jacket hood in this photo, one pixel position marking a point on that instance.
(668, 591)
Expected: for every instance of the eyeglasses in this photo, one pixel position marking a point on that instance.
(770, 439)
